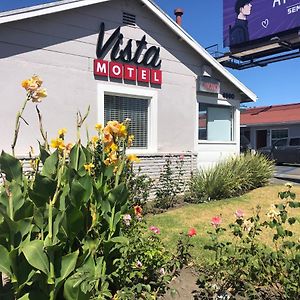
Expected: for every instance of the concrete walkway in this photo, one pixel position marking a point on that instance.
(287, 173)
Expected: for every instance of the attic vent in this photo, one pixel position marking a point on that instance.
(129, 19)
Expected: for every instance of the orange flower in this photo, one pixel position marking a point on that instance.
(113, 126)
(107, 137)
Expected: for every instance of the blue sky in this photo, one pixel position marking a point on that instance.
(276, 83)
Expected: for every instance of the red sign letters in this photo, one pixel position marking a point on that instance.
(127, 72)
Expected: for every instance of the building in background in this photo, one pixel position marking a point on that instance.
(263, 126)
(124, 59)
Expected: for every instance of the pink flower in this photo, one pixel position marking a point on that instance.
(192, 232)
(154, 229)
(239, 214)
(216, 221)
(127, 219)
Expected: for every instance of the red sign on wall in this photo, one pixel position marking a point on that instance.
(127, 72)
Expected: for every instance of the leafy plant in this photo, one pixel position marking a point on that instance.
(170, 184)
(230, 178)
(245, 267)
(61, 228)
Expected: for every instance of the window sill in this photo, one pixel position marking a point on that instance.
(217, 142)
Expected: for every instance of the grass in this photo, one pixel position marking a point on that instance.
(198, 216)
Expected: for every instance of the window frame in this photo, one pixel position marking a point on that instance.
(133, 92)
(233, 120)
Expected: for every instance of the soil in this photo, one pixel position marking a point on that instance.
(183, 286)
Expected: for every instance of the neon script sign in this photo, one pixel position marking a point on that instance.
(133, 65)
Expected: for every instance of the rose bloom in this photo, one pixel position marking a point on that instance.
(127, 219)
(137, 210)
(273, 213)
(192, 232)
(239, 214)
(139, 264)
(154, 229)
(216, 221)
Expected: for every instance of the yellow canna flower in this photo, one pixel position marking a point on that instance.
(122, 130)
(133, 158)
(130, 140)
(98, 127)
(62, 131)
(89, 167)
(38, 94)
(58, 144)
(94, 139)
(114, 147)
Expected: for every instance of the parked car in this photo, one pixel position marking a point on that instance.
(285, 150)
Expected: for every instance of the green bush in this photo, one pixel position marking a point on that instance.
(230, 178)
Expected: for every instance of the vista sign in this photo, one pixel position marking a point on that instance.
(249, 20)
(125, 63)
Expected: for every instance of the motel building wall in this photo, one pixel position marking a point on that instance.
(59, 43)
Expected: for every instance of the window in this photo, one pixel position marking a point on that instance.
(295, 142)
(278, 134)
(119, 108)
(215, 123)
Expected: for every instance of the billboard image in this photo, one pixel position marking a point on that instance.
(249, 20)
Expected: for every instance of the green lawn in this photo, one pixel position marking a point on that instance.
(173, 222)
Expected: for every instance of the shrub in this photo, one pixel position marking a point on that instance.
(170, 184)
(244, 267)
(230, 178)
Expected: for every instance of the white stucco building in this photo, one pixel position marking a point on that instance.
(180, 99)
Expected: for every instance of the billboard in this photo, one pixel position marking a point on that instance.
(246, 21)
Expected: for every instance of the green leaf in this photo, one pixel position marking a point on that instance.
(44, 154)
(72, 290)
(67, 265)
(35, 255)
(4, 261)
(78, 159)
(50, 166)
(292, 221)
(11, 167)
(17, 196)
(43, 189)
(81, 190)
(34, 295)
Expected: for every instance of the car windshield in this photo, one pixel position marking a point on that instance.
(282, 142)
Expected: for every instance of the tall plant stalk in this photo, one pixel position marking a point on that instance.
(18, 122)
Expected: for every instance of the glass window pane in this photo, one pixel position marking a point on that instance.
(119, 108)
(278, 134)
(295, 142)
(215, 123)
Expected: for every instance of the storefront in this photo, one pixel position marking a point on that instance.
(124, 59)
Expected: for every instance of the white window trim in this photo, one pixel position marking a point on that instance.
(133, 92)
